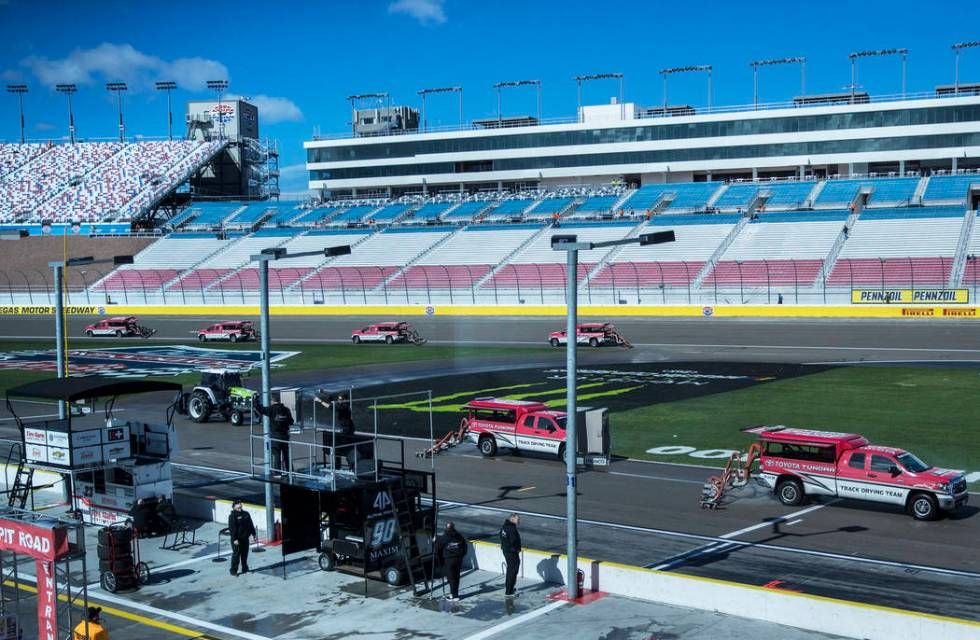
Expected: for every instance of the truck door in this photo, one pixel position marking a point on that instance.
(547, 435)
(885, 471)
(525, 435)
(852, 474)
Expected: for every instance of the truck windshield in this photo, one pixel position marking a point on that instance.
(913, 464)
(560, 421)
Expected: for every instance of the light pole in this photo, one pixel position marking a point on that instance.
(68, 89)
(59, 266)
(956, 70)
(168, 86)
(118, 88)
(19, 90)
(597, 76)
(755, 64)
(264, 258)
(219, 87)
(571, 245)
(698, 67)
(876, 52)
(424, 92)
(517, 83)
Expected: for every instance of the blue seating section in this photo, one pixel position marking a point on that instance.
(803, 216)
(467, 210)
(316, 215)
(432, 211)
(690, 195)
(284, 214)
(252, 213)
(788, 194)
(949, 187)
(391, 212)
(512, 207)
(354, 214)
(552, 205)
(738, 195)
(598, 203)
(677, 221)
(911, 213)
(213, 212)
(181, 217)
(884, 190)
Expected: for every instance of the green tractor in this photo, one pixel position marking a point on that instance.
(220, 393)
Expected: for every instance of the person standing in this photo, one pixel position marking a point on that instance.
(281, 419)
(240, 529)
(510, 545)
(343, 430)
(91, 627)
(451, 548)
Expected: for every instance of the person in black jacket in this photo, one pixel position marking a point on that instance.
(240, 529)
(281, 419)
(451, 548)
(344, 433)
(510, 545)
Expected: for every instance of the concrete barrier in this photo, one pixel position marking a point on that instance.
(803, 611)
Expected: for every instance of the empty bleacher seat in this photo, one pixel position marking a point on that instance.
(884, 191)
(952, 188)
(684, 195)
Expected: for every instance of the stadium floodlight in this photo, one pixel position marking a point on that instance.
(68, 89)
(956, 70)
(264, 258)
(871, 53)
(597, 76)
(219, 86)
(19, 90)
(571, 245)
(118, 88)
(425, 92)
(696, 68)
(355, 99)
(755, 64)
(168, 86)
(517, 83)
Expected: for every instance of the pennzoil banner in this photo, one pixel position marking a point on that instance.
(910, 296)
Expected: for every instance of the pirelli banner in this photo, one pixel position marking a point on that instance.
(910, 296)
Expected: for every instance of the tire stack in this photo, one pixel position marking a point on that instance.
(116, 559)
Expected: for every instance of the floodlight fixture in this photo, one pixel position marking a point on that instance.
(424, 92)
(597, 76)
(19, 90)
(169, 86)
(687, 69)
(755, 64)
(118, 88)
(956, 50)
(853, 57)
(68, 89)
(516, 83)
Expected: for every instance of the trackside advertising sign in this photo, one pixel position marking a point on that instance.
(910, 296)
(45, 545)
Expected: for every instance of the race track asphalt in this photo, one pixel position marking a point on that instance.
(647, 513)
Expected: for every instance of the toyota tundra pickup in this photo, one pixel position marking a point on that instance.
(796, 463)
(520, 425)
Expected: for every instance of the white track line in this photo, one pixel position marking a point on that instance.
(664, 478)
(513, 622)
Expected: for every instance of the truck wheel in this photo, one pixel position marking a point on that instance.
(327, 561)
(90, 334)
(394, 576)
(236, 418)
(790, 492)
(234, 337)
(593, 342)
(389, 339)
(199, 407)
(561, 451)
(119, 333)
(356, 339)
(924, 506)
(488, 446)
(202, 338)
(554, 342)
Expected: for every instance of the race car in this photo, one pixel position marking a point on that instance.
(387, 332)
(236, 331)
(120, 327)
(595, 334)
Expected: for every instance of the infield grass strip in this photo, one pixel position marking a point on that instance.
(932, 412)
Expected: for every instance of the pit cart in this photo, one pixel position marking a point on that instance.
(120, 564)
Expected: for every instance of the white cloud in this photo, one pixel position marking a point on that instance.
(273, 109)
(425, 11)
(123, 62)
(293, 178)
(11, 75)
(44, 126)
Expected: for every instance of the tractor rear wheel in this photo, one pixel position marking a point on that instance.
(199, 407)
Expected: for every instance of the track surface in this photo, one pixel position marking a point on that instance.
(647, 513)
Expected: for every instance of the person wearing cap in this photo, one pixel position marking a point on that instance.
(451, 547)
(91, 627)
(240, 529)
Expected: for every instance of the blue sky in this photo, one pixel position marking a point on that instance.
(299, 60)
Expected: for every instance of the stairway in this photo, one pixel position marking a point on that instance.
(717, 194)
(962, 246)
(719, 252)
(408, 543)
(920, 190)
(384, 283)
(500, 265)
(20, 492)
(611, 255)
(813, 195)
(834, 253)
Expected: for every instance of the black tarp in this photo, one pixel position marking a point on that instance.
(80, 388)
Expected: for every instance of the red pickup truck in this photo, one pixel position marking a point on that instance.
(520, 425)
(795, 463)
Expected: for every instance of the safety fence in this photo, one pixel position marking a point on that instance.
(680, 282)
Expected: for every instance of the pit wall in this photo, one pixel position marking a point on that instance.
(955, 312)
(798, 610)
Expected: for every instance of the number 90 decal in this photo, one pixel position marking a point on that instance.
(384, 533)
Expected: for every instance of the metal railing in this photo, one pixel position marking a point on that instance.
(621, 283)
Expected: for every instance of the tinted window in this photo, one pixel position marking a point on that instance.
(912, 463)
(857, 461)
(528, 421)
(546, 424)
(881, 463)
(800, 452)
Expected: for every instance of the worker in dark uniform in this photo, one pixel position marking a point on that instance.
(281, 419)
(240, 529)
(344, 431)
(510, 545)
(451, 548)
